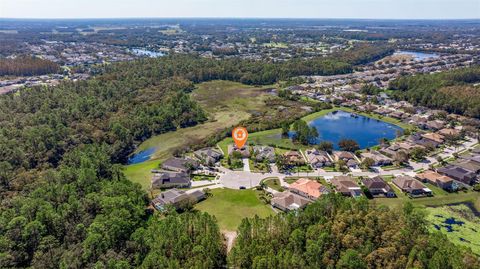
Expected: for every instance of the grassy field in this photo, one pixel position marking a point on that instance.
(467, 234)
(231, 206)
(274, 183)
(227, 103)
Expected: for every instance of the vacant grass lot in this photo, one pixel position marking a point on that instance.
(231, 206)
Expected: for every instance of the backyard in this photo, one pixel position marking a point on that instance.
(231, 206)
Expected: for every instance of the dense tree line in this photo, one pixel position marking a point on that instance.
(452, 91)
(27, 66)
(85, 214)
(39, 125)
(337, 232)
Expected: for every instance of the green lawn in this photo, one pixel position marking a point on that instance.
(231, 206)
(274, 183)
(140, 173)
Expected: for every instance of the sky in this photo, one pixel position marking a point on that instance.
(365, 9)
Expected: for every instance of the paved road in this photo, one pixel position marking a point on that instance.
(236, 179)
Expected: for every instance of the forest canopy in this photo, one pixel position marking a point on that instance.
(453, 91)
(27, 66)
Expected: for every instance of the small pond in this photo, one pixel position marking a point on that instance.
(141, 156)
(338, 125)
(419, 56)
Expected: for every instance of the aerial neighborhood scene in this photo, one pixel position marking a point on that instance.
(240, 134)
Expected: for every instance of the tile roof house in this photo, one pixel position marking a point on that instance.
(308, 188)
(179, 165)
(378, 187)
(379, 158)
(208, 156)
(287, 201)
(439, 180)
(449, 132)
(458, 173)
(343, 155)
(411, 186)
(175, 198)
(294, 157)
(244, 151)
(347, 186)
(435, 139)
(264, 153)
(317, 158)
(168, 179)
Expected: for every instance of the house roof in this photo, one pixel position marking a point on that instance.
(434, 177)
(408, 183)
(177, 163)
(343, 155)
(289, 200)
(344, 183)
(433, 137)
(164, 177)
(310, 187)
(469, 165)
(376, 183)
(456, 172)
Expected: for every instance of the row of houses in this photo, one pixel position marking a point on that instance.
(175, 172)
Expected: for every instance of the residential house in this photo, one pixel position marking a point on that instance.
(294, 158)
(179, 165)
(378, 187)
(449, 132)
(411, 186)
(347, 186)
(470, 165)
(346, 156)
(308, 188)
(264, 153)
(175, 198)
(287, 201)
(435, 125)
(169, 179)
(317, 158)
(377, 157)
(243, 151)
(208, 156)
(441, 181)
(458, 173)
(434, 139)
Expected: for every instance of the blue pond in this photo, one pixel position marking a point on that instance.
(419, 56)
(365, 131)
(142, 156)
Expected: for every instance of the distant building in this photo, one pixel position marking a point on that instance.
(377, 157)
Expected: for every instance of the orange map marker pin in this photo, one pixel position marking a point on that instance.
(240, 136)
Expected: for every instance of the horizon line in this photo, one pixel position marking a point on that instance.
(239, 18)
